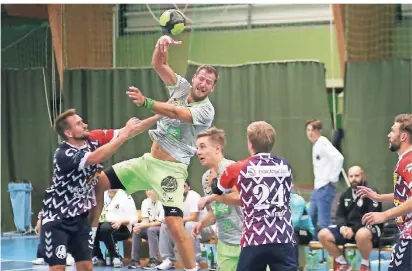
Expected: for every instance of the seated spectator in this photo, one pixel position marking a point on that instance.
(349, 228)
(116, 220)
(302, 223)
(191, 216)
(148, 228)
(40, 257)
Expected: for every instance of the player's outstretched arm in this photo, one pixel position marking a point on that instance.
(159, 60)
(107, 150)
(164, 109)
(363, 191)
(143, 125)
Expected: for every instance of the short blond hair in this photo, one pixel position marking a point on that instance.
(215, 135)
(262, 136)
(405, 121)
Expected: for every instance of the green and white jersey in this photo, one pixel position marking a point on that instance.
(178, 138)
(229, 218)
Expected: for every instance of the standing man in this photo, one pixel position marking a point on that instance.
(67, 202)
(327, 165)
(164, 169)
(400, 141)
(349, 228)
(228, 218)
(264, 182)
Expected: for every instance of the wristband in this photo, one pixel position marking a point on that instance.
(148, 103)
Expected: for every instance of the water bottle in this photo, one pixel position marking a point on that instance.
(203, 253)
(312, 260)
(211, 259)
(351, 257)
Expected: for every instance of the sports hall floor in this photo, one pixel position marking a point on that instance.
(18, 251)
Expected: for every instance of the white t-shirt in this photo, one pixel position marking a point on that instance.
(327, 162)
(119, 208)
(152, 210)
(190, 205)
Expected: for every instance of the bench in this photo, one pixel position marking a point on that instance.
(144, 250)
(386, 241)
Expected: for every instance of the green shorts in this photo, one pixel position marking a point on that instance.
(227, 256)
(166, 178)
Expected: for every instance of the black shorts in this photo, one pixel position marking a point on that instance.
(401, 256)
(66, 235)
(279, 257)
(340, 240)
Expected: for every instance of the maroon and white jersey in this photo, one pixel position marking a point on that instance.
(264, 182)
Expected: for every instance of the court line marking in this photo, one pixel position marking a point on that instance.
(31, 268)
(15, 261)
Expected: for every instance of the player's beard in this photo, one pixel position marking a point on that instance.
(195, 96)
(356, 184)
(84, 136)
(395, 144)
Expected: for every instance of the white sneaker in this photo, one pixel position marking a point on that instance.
(38, 261)
(69, 259)
(117, 263)
(165, 265)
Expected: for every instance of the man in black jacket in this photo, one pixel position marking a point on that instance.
(349, 228)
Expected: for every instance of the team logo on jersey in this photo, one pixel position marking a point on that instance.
(92, 180)
(169, 184)
(175, 102)
(60, 252)
(278, 171)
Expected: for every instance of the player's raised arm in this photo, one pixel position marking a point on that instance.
(159, 60)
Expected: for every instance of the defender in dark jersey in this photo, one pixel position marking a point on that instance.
(400, 141)
(67, 202)
(264, 182)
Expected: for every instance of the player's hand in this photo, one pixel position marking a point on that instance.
(363, 191)
(204, 201)
(37, 229)
(131, 128)
(374, 218)
(136, 96)
(196, 230)
(116, 225)
(346, 232)
(164, 41)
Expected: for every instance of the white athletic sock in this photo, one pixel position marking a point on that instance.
(341, 260)
(365, 262)
(192, 269)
